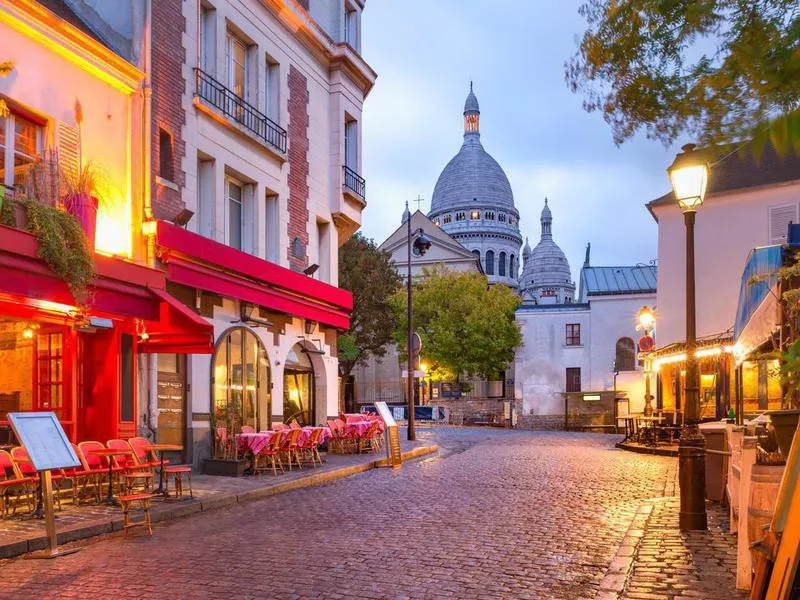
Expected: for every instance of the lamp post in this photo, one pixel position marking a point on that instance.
(420, 244)
(647, 321)
(689, 176)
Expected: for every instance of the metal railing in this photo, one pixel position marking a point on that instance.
(236, 109)
(354, 182)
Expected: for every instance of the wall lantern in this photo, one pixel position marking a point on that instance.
(689, 176)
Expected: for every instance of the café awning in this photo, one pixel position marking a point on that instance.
(758, 312)
(178, 330)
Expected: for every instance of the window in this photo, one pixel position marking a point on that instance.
(272, 91)
(626, 355)
(205, 58)
(447, 218)
(477, 254)
(501, 217)
(489, 262)
(240, 380)
(166, 162)
(351, 143)
(272, 227)
(573, 334)
(324, 251)
(573, 379)
(237, 66)
(548, 292)
(126, 379)
(512, 266)
(460, 216)
(501, 266)
(489, 216)
(205, 197)
(351, 36)
(510, 220)
(235, 213)
(475, 215)
(20, 147)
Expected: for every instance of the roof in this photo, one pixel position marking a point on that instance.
(62, 10)
(611, 281)
(742, 170)
(571, 307)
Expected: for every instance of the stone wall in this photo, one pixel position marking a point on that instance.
(541, 422)
(477, 411)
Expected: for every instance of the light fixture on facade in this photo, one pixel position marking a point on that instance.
(689, 176)
(311, 269)
(309, 326)
(27, 333)
(247, 315)
(647, 318)
(182, 218)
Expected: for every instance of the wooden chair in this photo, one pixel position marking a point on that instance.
(247, 429)
(368, 440)
(144, 501)
(13, 484)
(25, 468)
(271, 451)
(290, 449)
(348, 440)
(294, 425)
(131, 473)
(178, 472)
(279, 427)
(141, 453)
(80, 478)
(311, 446)
(333, 442)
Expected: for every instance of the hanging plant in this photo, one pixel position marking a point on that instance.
(62, 243)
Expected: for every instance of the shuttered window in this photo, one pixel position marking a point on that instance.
(779, 219)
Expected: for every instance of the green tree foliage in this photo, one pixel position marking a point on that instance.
(369, 274)
(719, 71)
(467, 327)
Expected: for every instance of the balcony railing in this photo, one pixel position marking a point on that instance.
(354, 182)
(236, 109)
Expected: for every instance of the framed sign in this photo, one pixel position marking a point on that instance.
(386, 414)
(393, 452)
(44, 439)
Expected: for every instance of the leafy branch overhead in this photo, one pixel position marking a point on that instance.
(466, 326)
(719, 71)
(369, 274)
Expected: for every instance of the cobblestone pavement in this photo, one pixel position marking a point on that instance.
(497, 514)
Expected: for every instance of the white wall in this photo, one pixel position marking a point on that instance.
(728, 226)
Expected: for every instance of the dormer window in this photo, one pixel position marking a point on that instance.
(475, 215)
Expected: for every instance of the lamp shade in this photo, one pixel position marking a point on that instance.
(647, 318)
(689, 177)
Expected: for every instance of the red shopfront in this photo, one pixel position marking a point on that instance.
(83, 364)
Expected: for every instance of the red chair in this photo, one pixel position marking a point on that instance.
(272, 451)
(130, 471)
(141, 453)
(25, 468)
(80, 477)
(369, 439)
(95, 463)
(290, 448)
(13, 484)
(349, 439)
(311, 446)
(279, 427)
(294, 425)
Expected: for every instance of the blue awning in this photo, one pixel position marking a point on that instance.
(757, 313)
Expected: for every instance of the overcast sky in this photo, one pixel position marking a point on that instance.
(426, 52)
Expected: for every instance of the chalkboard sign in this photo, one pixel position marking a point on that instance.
(44, 439)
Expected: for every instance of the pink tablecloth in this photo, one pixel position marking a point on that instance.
(326, 433)
(354, 418)
(360, 428)
(254, 442)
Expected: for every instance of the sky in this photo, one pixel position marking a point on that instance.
(426, 52)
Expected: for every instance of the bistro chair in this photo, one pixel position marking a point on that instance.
(294, 425)
(131, 473)
(141, 455)
(80, 478)
(348, 439)
(25, 468)
(271, 451)
(369, 439)
(144, 502)
(333, 442)
(290, 449)
(310, 446)
(279, 427)
(95, 463)
(178, 472)
(13, 484)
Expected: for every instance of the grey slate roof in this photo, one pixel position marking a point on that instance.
(471, 105)
(609, 281)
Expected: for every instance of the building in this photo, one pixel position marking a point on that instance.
(578, 349)
(232, 133)
(473, 202)
(749, 204)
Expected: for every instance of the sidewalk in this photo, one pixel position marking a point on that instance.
(20, 536)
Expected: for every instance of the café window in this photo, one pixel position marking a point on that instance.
(240, 380)
(21, 142)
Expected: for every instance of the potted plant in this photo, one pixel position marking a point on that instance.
(226, 425)
(80, 198)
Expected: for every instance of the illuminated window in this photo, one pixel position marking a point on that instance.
(510, 220)
(447, 218)
(548, 293)
(475, 215)
(237, 66)
(573, 334)
(25, 138)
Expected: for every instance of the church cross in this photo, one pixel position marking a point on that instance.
(418, 199)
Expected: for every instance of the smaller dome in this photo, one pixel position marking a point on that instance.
(406, 215)
(471, 105)
(526, 251)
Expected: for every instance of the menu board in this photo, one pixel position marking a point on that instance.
(393, 452)
(386, 414)
(44, 439)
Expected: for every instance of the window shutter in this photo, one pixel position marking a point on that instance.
(68, 140)
(779, 219)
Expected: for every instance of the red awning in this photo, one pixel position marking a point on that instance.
(178, 330)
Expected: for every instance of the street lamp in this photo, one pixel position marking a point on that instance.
(689, 176)
(420, 244)
(647, 321)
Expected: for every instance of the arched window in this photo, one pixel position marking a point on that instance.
(626, 354)
(489, 268)
(298, 388)
(512, 266)
(501, 266)
(477, 254)
(240, 381)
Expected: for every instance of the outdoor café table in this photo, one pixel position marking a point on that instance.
(629, 421)
(308, 430)
(651, 429)
(163, 448)
(353, 418)
(109, 454)
(255, 442)
(357, 427)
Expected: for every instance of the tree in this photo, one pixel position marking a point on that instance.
(467, 327)
(369, 274)
(721, 71)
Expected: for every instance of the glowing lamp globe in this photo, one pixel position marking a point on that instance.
(689, 177)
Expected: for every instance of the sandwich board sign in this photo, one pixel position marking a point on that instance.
(393, 453)
(48, 447)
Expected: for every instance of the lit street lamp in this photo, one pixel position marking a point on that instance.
(420, 244)
(689, 177)
(647, 321)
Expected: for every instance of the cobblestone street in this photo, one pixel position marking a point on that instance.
(496, 514)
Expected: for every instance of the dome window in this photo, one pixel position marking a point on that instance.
(447, 219)
(510, 220)
(460, 216)
(501, 217)
(489, 215)
(475, 215)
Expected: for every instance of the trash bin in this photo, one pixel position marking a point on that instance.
(716, 434)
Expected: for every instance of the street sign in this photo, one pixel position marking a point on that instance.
(416, 344)
(417, 374)
(394, 454)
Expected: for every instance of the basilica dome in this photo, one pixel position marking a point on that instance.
(473, 202)
(546, 276)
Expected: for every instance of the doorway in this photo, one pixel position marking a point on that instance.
(172, 400)
(298, 388)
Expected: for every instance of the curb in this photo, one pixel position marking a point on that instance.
(163, 513)
(647, 450)
(616, 576)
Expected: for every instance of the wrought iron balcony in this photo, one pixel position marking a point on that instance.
(354, 182)
(239, 111)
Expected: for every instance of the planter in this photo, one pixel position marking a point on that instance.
(225, 467)
(785, 424)
(84, 208)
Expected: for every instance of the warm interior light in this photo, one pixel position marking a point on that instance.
(27, 333)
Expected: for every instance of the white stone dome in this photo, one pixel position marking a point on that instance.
(546, 276)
